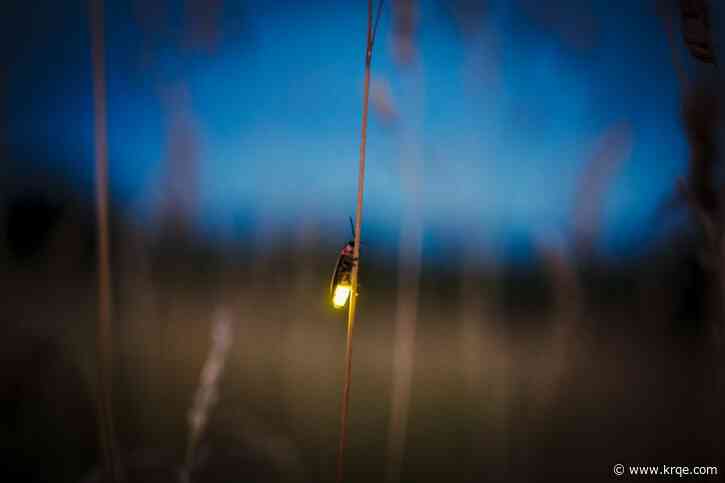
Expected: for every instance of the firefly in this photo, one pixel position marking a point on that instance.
(341, 282)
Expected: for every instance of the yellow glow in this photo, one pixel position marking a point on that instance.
(339, 298)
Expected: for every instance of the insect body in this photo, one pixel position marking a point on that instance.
(341, 282)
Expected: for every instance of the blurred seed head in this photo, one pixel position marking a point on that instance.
(405, 28)
(381, 97)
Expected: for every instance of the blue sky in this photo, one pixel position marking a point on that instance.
(277, 108)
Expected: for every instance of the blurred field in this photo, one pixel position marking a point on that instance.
(514, 397)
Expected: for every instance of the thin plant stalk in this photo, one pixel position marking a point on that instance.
(104, 347)
(356, 249)
(410, 244)
(199, 36)
(405, 332)
(484, 348)
(561, 254)
(561, 271)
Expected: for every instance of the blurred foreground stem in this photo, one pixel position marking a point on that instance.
(111, 462)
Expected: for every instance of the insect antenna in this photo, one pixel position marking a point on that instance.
(352, 229)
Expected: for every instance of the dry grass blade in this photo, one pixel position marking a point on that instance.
(566, 318)
(405, 325)
(410, 244)
(207, 393)
(111, 459)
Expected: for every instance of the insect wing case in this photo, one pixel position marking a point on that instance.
(343, 268)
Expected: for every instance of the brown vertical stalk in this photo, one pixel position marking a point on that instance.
(472, 339)
(405, 15)
(406, 321)
(485, 352)
(486, 363)
(356, 250)
(111, 463)
(564, 280)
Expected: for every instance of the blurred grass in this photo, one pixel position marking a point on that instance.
(635, 388)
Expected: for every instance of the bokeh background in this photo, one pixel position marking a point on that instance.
(540, 295)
